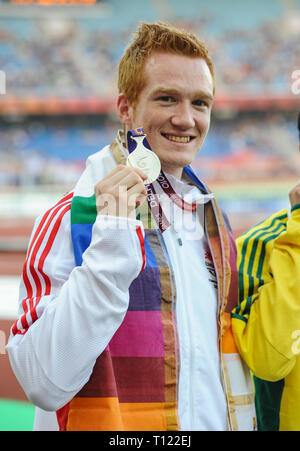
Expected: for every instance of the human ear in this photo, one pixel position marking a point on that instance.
(124, 110)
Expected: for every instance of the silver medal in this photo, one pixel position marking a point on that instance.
(145, 160)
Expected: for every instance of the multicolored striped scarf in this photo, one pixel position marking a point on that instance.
(134, 383)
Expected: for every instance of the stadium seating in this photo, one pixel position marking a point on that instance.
(78, 56)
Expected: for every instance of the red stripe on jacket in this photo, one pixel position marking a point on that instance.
(142, 243)
(62, 206)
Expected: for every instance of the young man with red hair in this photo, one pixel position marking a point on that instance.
(130, 280)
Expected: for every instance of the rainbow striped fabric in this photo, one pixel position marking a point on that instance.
(134, 384)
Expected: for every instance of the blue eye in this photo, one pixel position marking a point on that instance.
(200, 103)
(166, 99)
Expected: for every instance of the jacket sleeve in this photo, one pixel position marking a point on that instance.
(68, 314)
(267, 320)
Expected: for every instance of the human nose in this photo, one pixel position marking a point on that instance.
(183, 116)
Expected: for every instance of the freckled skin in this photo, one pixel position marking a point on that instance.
(175, 102)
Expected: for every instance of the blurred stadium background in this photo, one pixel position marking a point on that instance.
(60, 64)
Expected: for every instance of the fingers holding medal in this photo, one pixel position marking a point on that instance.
(121, 191)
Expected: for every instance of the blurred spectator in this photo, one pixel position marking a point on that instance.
(53, 152)
(74, 57)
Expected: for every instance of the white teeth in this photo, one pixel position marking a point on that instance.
(179, 139)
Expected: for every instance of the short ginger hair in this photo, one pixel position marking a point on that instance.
(156, 37)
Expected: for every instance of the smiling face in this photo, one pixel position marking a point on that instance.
(174, 108)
